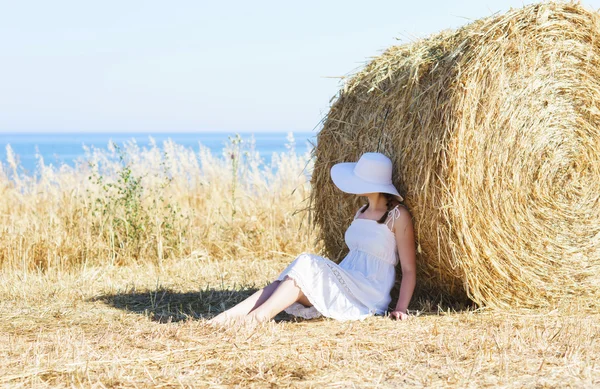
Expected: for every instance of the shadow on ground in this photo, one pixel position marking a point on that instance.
(165, 305)
(430, 301)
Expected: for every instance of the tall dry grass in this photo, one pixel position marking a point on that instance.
(130, 204)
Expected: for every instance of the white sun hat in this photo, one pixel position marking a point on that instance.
(372, 173)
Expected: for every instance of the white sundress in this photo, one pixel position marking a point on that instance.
(359, 286)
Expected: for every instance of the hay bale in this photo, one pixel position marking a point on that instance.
(494, 132)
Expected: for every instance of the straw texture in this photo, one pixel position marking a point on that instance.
(494, 132)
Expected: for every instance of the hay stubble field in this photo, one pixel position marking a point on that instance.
(143, 325)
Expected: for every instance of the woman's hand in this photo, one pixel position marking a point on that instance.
(398, 315)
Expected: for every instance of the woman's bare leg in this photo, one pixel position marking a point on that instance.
(245, 307)
(285, 295)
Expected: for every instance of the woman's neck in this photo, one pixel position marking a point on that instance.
(377, 202)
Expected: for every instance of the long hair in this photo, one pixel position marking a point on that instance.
(391, 202)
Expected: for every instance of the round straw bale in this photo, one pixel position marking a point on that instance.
(494, 133)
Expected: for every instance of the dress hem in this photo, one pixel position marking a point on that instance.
(298, 311)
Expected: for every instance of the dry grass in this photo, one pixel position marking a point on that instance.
(128, 205)
(140, 322)
(142, 325)
(494, 131)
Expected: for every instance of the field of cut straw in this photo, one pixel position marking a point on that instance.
(109, 270)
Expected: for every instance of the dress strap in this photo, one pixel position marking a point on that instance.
(393, 214)
(358, 212)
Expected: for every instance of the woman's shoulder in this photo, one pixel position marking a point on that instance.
(404, 210)
(401, 215)
(401, 206)
(399, 211)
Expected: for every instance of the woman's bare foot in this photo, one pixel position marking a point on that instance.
(222, 318)
(251, 321)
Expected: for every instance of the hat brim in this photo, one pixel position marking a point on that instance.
(342, 175)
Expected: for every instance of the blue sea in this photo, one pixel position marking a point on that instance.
(65, 148)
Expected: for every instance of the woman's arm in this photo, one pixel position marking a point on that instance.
(405, 239)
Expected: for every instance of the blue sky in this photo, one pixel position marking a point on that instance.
(178, 66)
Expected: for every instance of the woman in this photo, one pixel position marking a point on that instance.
(380, 235)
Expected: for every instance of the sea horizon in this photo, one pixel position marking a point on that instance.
(65, 148)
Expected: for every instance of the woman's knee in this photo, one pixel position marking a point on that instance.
(293, 283)
(286, 278)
